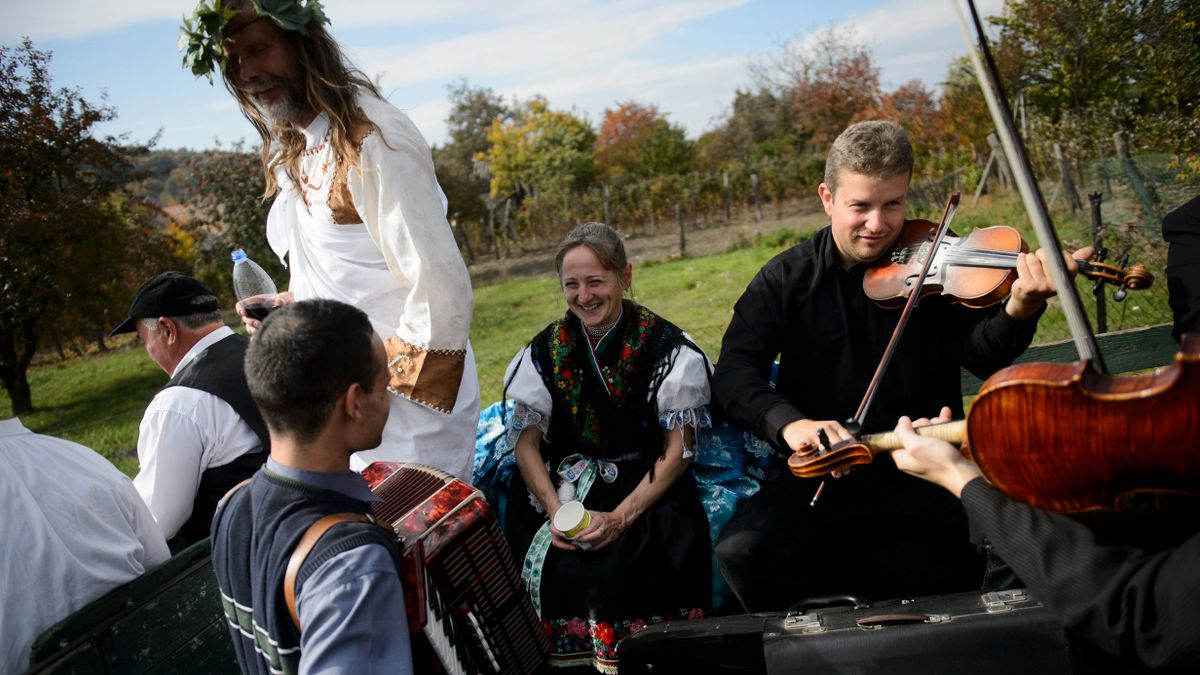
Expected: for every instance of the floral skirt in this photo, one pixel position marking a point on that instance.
(657, 570)
(579, 642)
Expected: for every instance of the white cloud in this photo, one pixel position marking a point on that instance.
(56, 19)
(60, 19)
(365, 13)
(582, 54)
(551, 45)
(930, 41)
(430, 118)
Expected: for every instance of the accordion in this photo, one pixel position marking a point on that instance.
(468, 610)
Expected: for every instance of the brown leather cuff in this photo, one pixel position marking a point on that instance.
(430, 377)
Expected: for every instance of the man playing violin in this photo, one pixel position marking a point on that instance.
(876, 532)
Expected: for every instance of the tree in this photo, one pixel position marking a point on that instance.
(963, 120)
(543, 157)
(463, 177)
(74, 238)
(637, 141)
(826, 82)
(757, 124)
(913, 107)
(545, 150)
(665, 150)
(225, 211)
(1094, 67)
(1071, 61)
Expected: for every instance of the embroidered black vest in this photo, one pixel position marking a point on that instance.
(608, 407)
(218, 370)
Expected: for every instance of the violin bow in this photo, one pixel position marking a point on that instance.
(913, 297)
(1031, 195)
(854, 424)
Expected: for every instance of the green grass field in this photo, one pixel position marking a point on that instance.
(98, 400)
(95, 400)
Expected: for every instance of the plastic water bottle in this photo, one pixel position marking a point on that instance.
(250, 280)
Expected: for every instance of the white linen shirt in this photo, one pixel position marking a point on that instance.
(73, 528)
(400, 266)
(183, 432)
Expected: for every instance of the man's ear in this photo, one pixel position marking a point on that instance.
(826, 198)
(171, 328)
(352, 402)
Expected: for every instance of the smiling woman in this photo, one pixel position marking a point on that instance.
(607, 401)
(593, 289)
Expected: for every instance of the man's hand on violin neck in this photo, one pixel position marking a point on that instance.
(804, 436)
(1034, 283)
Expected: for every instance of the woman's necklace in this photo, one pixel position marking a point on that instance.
(597, 332)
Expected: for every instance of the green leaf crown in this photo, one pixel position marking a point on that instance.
(201, 37)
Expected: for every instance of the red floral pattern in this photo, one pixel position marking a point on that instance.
(616, 377)
(577, 641)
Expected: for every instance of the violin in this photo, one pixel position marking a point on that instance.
(977, 270)
(1087, 441)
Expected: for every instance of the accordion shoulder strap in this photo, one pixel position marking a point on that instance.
(310, 538)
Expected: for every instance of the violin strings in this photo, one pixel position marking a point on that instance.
(972, 257)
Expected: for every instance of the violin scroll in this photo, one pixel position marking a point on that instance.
(840, 457)
(1134, 277)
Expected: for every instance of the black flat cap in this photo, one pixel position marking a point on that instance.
(168, 294)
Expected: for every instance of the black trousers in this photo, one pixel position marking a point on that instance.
(876, 533)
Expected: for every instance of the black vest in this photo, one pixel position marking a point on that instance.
(253, 536)
(218, 370)
(621, 427)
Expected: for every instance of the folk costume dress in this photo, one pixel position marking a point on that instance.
(602, 408)
(376, 237)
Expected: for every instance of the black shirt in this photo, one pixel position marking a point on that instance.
(1181, 230)
(1130, 602)
(829, 337)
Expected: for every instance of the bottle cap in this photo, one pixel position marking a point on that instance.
(238, 255)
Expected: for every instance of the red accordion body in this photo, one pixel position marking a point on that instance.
(467, 606)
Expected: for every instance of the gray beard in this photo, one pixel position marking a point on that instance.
(284, 111)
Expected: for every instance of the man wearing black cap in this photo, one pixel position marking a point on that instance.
(202, 434)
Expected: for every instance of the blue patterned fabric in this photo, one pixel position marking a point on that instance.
(729, 466)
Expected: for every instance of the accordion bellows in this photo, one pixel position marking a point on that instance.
(468, 610)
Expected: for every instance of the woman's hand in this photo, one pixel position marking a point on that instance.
(606, 526)
(276, 301)
(537, 479)
(557, 538)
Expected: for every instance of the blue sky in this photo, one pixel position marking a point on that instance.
(685, 56)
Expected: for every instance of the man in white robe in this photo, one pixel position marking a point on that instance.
(359, 217)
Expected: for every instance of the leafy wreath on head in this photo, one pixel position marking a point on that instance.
(201, 37)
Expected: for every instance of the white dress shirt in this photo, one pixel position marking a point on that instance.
(73, 528)
(183, 432)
